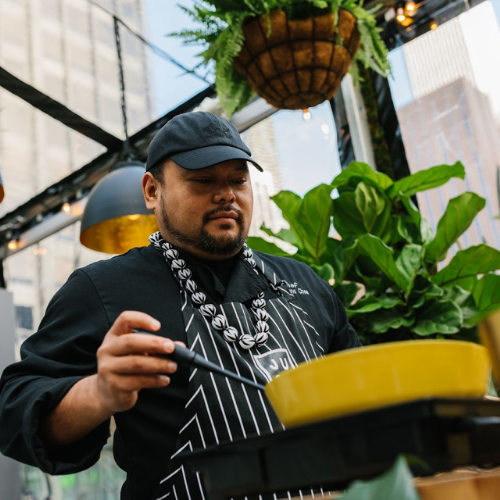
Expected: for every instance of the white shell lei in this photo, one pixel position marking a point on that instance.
(209, 311)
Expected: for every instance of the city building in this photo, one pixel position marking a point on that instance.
(66, 49)
(456, 123)
(451, 112)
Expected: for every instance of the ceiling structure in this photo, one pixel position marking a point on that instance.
(47, 204)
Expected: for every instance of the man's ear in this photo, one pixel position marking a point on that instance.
(150, 190)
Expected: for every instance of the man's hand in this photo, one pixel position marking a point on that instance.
(126, 364)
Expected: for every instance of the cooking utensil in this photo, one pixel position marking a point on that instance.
(186, 357)
(443, 433)
(376, 376)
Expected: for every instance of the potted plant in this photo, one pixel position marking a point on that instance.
(385, 263)
(294, 53)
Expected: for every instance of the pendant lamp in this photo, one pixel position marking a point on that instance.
(2, 192)
(115, 218)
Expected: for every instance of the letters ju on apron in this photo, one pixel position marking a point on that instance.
(218, 409)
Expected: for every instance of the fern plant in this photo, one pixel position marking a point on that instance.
(221, 32)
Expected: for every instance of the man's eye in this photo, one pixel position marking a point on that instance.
(201, 181)
(240, 181)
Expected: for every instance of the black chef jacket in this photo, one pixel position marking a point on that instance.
(64, 350)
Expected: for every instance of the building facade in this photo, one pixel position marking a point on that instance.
(454, 74)
(66, 49)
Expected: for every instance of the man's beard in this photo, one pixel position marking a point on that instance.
(205, 242)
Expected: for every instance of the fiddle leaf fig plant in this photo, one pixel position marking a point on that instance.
(383, 259)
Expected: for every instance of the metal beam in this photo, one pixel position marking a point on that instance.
(56, 110)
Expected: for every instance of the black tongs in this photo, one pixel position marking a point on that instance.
(186, 357)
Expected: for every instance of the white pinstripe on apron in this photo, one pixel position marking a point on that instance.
(220, 410)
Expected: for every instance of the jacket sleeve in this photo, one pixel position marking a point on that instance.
(344, 336)
(52, 360)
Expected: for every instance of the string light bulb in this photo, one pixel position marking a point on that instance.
(306, 115)
(66, 208)
(400, 14)
(434, 25)
(12, 244)
(410, 8)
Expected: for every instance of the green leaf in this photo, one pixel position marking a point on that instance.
(382, 320)
(334, 255)
(351, 252)
(289, 203)
(372, 303)
(370, 204)
(466, 264)
(486, 293)
(262, 245)
(309, 218)
(409, 263)
(407, 230)
(439, 317)
(287, 235)
(413, 211)
(426, 179)
(374, 209)
(325, 271)
(458, 216)
(465, 301)
(382, 255)
(347, 219)
(395, 484)
(423, 290)
(346, 291)
(426, 233)
(357, 172)
(361, 211)
(314, 219)
(371, 282)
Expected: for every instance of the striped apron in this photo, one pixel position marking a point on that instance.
(220, 410)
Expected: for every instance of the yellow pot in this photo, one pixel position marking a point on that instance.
(380, 375)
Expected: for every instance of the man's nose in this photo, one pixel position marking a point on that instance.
(224, 194)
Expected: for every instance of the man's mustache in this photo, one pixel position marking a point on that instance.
(227, 208)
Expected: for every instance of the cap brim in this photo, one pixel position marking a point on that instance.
(197, 159)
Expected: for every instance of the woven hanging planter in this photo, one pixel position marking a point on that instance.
(300, 64)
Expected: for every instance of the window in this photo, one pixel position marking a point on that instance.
(52, 45)
(52, 10)
(295, 154)
(104, 30)
(79, 56)
(24, 317)
(78, 18)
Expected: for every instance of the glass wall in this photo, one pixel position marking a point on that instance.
(445, 86)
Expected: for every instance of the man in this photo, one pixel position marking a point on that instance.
(197, 284)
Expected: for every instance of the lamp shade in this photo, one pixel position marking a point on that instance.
(116, 218)
(2, 192)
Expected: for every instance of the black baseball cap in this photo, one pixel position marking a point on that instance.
(198, 140)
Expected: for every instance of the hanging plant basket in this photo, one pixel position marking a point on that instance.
(297, 63)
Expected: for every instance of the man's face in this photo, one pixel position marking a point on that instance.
(206, 212)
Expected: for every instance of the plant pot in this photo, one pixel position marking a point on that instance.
(297, 64)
